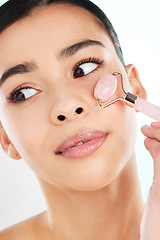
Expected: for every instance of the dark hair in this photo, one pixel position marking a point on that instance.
(14, 10)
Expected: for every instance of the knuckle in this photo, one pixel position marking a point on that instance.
(153, 146)
(156, 133)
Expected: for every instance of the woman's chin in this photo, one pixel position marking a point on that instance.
(94, 182)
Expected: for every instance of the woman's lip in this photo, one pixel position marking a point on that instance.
(81, 144)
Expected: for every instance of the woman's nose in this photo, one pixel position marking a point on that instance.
(69, 110)
(79, 110)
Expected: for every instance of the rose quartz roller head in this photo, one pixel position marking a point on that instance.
(106, 87)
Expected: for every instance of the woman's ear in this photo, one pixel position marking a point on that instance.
(7, 145)
(135, 83)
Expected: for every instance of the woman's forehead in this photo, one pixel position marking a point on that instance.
(62, 19)
(57, 13)
(58, 25)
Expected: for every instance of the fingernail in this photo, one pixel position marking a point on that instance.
(146, 126)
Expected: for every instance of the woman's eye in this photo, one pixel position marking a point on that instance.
(20, 95)
(85, 69)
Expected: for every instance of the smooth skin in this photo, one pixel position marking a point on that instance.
(96, 197)
(151, 219)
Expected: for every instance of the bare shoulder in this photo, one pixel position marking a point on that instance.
(27, 230)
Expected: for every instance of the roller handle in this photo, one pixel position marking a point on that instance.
(147, 108)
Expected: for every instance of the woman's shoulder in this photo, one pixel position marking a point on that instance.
(26, 230)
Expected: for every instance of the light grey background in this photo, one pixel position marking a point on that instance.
(138, 26)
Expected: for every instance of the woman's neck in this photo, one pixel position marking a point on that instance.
(113, 212)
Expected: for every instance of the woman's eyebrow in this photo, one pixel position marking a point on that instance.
(25, 67)
(71, 50)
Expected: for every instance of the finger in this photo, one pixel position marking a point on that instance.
(155, 124)
(151, 132)
(153, 146)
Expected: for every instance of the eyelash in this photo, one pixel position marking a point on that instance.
(88, 60)
(82, 61)
(13, 93)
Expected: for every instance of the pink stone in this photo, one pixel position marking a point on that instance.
(105, 87)
(147, 108)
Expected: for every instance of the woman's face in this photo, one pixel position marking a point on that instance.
(52, 98)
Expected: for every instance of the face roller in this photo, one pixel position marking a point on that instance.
(106, 87)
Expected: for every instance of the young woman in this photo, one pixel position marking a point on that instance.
(52, 53)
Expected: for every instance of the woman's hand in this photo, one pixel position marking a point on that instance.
(150, 226)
